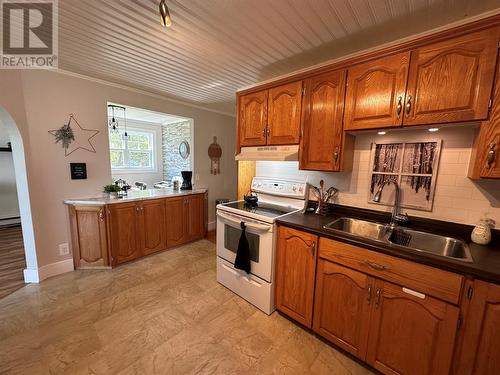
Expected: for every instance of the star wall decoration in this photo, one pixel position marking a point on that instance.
(74, 138)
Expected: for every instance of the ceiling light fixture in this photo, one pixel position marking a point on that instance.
(381, 133)
(165, 14)
(113, 124)
(432, 130)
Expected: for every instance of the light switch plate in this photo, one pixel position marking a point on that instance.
(64, 249)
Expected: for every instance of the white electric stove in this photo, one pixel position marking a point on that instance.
(276, 198)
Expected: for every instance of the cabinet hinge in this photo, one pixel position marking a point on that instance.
(490, 103)
(470, 292)
(303, 91)
(459, 322)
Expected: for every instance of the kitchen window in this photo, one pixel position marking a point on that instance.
(134, 154)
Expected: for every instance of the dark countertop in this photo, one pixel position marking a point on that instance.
(486, 265)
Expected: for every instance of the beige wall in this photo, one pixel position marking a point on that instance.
(457, 198)
(40, 101)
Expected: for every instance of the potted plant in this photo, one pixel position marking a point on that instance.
(111, 191)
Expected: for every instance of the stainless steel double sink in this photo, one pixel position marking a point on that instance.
(403, 237)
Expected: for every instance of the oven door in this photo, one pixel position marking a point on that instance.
(260, 238)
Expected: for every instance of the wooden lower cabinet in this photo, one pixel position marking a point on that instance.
(478, 351)
(186, 219)
(395, 329)
(295, 274)
(194, 217)
(124, 232)
(410, 333)
(88, 236)
(342, 306)
(152, 226)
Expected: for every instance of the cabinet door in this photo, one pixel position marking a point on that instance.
(194, 217)
(153, 226)
(485, 161)
(451, 81)
(376, 93)
(480, 337)
(323, 108)
(124, 234)
(410, 333)
(88, 232)
(295, 274)
(283, 121)
(252, 119)
(175, 221)
(342, 306)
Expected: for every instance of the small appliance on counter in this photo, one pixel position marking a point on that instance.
(186, 180)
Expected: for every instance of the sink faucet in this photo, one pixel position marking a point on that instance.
(397, 217)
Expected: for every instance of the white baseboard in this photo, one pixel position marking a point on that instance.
(54, 269)
(31, 275)
(212, 225)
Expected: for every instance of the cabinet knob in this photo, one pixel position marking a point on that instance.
(490, 156)
(408, 105)
(377, 301)
(399, 107)
(336, 154)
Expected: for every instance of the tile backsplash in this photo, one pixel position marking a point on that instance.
(456, 199)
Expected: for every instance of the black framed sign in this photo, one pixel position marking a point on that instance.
(78, 171)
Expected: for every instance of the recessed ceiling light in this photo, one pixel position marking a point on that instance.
(433, 129)
(381, 133)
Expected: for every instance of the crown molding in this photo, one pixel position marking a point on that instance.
(139, 91)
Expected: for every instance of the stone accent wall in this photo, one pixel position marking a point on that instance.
(172, 136)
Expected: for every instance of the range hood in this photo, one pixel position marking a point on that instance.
(282, 153)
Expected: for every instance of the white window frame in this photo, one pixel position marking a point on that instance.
(153, 152)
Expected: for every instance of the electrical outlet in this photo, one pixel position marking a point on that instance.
(64, 249)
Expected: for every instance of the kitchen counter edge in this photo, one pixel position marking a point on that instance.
(139, 195)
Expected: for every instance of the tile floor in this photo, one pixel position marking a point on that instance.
(165, 314)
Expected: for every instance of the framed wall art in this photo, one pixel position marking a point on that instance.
(413, 165)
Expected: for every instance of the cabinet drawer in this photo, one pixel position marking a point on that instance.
(428, 280)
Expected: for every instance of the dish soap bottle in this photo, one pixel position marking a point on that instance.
(482, 232)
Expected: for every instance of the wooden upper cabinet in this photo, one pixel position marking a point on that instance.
(376, 93)
(284, 109)
(152, 226)
(88, 236)
(295, 274)
(123, 232)
(451, 81)
(342, 306)
(252, 119)
(479, 342)
(410, 334)
(322, 111)
(175, 221)
(485, 162)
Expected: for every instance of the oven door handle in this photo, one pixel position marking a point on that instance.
(258, 227)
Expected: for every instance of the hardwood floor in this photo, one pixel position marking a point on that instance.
(12, 262)
(164, 314)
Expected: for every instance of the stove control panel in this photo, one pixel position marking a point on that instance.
(283, 187)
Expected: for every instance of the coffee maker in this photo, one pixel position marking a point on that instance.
(186, 180)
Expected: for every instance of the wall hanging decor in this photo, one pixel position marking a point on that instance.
(414, 167)
(184, 149)
(74, 138)
(215, 152)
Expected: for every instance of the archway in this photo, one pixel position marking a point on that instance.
(31, 270)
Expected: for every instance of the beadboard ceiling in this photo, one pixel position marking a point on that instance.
(215, 47)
